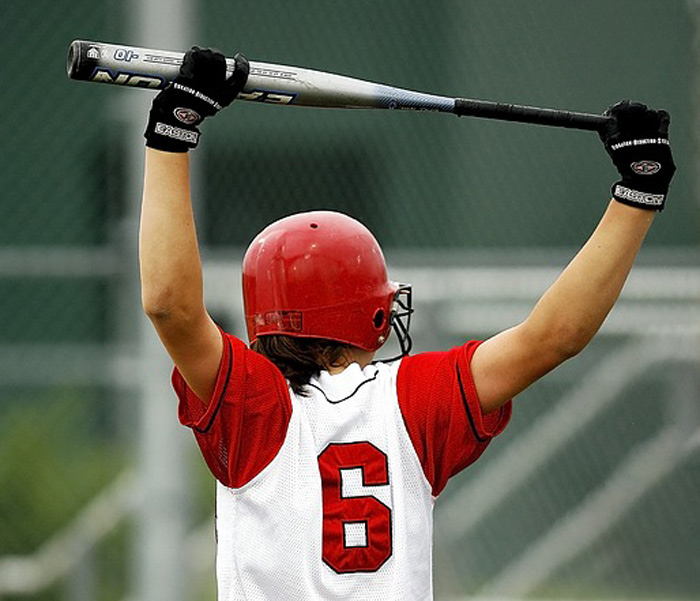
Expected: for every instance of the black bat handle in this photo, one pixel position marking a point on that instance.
(529, 114)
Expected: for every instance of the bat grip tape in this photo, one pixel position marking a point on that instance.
(528, 114)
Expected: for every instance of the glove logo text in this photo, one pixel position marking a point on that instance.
(645, 167)
(645, 141)
(638, 198)
(184, 135)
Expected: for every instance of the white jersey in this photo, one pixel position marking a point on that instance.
(330, 496)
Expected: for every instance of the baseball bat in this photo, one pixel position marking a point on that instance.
(118, 64)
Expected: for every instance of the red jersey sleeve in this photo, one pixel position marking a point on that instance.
(442, 412)
(244, 424)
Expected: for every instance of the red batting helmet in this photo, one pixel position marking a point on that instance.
(319, 274)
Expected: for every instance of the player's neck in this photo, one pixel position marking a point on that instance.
(352, 355)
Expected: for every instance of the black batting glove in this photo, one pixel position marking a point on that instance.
(636, 138)
(201, 89)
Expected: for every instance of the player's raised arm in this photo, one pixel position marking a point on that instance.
(171, 272)
(572, 310)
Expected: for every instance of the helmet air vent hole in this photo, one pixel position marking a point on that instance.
(313, 226)
(378, 319)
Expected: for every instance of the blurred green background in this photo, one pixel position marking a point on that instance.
(76, 361)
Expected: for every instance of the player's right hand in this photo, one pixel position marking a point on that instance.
(636, 138)
(200, 90)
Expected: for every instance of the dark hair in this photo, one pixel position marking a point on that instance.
(299, 359)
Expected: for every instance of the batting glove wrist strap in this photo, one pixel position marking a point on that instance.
(201, 89)
(636, 138)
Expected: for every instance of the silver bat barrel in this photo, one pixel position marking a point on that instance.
(147, 68)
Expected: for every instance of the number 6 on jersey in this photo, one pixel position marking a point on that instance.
(356, 529)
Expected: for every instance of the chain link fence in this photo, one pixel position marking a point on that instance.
(592, 491)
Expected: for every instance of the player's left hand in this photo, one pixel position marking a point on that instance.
(636, 138)
(200, 90)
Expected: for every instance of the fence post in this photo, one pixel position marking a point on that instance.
(160, 570)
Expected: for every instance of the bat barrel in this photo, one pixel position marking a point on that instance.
(269, 83)
(122, 65)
